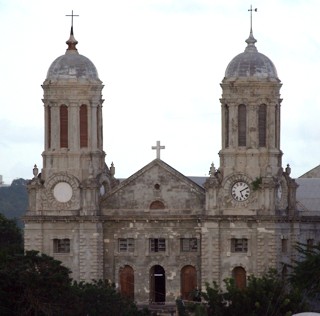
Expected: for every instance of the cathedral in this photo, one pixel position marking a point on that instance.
(159, 234)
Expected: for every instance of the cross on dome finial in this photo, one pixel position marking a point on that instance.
(251, 40)
(72, 15)
(72, 42)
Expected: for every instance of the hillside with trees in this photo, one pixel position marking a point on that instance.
(14, 199)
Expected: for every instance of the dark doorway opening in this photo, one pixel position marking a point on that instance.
(157, 284)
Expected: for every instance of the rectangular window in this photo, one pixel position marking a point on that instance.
(61, 245)
(126, 244)
(239, 245)
(284, 245)
(157, 245)
(310, 243)
(188, 244)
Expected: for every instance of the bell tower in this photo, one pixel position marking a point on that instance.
(250, 179)
(63, 218)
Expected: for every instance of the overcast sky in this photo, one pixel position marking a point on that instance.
(162, 62)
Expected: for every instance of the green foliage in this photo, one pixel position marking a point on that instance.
(34, 284)
(11, 241)
(268, 296)
(100, 298)
(306, 271)
(14, 199)
(256, 184)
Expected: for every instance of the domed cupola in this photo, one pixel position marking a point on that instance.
(250, 107)
(251, 63)
(73, 116)
(72, 65)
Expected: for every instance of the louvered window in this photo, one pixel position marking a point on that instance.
(242, 125)
(83, 126)
(49, 127)
(63, 126)
(262, 125)
(226, 126)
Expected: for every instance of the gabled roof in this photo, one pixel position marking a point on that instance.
(313, 173)
(195, 182)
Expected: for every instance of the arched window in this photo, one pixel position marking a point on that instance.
(157, 205)
(262, 125)
(63, 126)
(277, 126)
(226, 126)
(242, 125)
(240, 277)
(126, 280)
(83, 126)
(188, 283)
(49, 126)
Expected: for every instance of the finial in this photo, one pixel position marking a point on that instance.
(35, 171)
(71, 42)
(112, 170)
(288, 170)
(251, 40)
(212, 170)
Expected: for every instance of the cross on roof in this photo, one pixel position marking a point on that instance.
(72, 15)
(158, 148)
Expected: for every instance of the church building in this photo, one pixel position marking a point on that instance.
(159, 234)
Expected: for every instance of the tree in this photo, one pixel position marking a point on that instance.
(14, 199)
(305, 274)
(100, 298)
(267, 295)
(11, 240)
(34, 284)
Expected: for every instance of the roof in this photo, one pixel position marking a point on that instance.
(308, 195)
(72, 65)
(251, 63)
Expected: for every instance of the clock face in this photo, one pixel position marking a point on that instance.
(62, 191)
(240, 191)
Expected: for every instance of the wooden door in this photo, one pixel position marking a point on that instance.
(126, 277)
(188, 282)
(240, 277)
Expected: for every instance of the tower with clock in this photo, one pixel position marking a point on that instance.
(250, 197)
(74, 173)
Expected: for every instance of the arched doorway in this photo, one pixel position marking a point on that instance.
(126, 277)
(188, 282)
(240, 276)
(157, 284)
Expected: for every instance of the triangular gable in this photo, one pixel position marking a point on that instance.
(156, 182)
(165, 166)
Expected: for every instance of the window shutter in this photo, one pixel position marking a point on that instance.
(63, 126)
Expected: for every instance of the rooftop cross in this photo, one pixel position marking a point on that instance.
(158, 148)
(72, 15)
(255, 10)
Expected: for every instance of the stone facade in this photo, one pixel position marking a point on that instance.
(159, 234)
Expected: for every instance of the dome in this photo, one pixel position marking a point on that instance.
(72, 65)
(251, 63)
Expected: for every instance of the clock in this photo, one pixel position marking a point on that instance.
(240, 191)
(62, 192)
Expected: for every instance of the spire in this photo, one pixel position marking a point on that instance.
(251, 40)
(71, 42)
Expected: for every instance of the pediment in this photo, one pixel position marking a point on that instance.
(156, 186)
